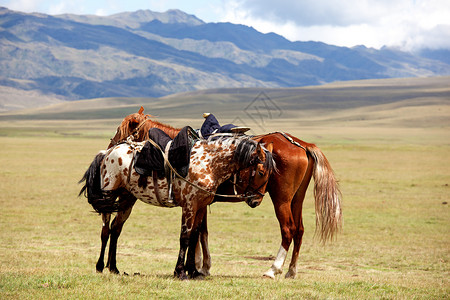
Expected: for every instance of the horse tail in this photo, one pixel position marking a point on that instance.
(327, 196)
(92, 184)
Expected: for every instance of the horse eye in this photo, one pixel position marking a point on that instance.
(261, 173)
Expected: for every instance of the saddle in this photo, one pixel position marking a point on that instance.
(211, 126)
(178, 151)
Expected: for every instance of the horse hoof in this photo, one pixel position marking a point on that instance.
(204, 272)
(181, 275)
(114, 271)
(197, 275)
(290, 275)
(269, 274)
(99, 267)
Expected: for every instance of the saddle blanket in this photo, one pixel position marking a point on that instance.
(151, 159)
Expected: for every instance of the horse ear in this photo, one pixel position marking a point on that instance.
(141, 110)
(260, 152)
(270, 147)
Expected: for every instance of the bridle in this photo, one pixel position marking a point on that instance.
(249, 191)
(133, 133)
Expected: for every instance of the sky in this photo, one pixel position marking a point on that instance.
(406, 24)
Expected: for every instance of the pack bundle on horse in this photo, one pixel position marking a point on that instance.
(113, 185)
(297, 162)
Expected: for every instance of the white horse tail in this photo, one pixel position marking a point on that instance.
(327, 196)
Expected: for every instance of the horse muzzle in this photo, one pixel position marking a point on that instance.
(254, 201)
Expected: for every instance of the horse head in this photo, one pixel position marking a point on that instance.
(129, 126)
(251, 179)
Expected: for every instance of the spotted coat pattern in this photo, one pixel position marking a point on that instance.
(210, 165)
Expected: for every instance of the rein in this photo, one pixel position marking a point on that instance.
(166, 160)
(247, 191)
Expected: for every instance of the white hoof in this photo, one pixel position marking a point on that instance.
(272, 273)
(269, 274)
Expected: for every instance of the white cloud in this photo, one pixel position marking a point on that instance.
(409, 24)
(373, 23)
(24, 5)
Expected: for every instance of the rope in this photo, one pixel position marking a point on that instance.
(166, 160)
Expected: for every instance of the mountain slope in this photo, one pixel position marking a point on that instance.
(148, 54)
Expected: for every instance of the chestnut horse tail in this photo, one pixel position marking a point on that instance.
(327, 196)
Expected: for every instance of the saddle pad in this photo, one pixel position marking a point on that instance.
(151, 159)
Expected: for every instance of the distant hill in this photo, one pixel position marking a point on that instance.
(149, 54)
(409, 102)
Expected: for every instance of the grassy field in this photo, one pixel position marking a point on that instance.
(395, 243)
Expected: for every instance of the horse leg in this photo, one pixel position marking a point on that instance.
(116, 229)
(281, 196)
(296, 208)
(186, 226)
(203, 241)
(287, 226)
(104, 237)
(198, 253)
(193, 242)
(188, 218)
(298, 235)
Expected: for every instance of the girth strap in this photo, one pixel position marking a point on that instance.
(292, 141)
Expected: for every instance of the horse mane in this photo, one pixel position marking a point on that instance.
(171, 131)
(142, 123)
(245, 149)
(245, 145)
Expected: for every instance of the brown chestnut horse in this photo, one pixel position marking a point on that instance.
(296, 161)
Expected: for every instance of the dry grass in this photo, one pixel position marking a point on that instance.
(394, 244)
(391, 158)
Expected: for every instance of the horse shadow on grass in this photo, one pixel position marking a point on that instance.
(211, 277)
(166, 276)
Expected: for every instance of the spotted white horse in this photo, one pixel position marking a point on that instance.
(112, 185)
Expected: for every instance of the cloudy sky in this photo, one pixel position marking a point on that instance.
(408, 24)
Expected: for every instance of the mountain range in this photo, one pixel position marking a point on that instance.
(150, 54)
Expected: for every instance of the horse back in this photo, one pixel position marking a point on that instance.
(292, 162)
